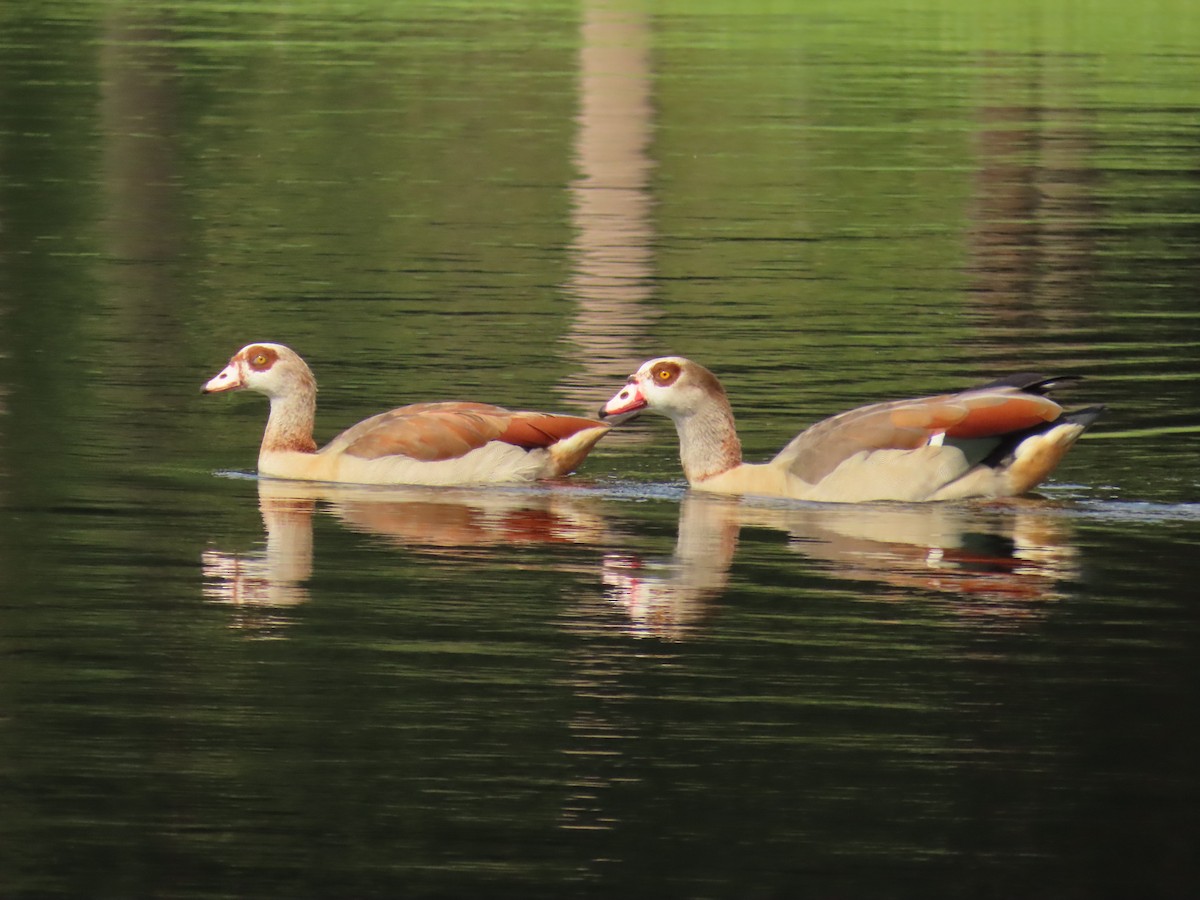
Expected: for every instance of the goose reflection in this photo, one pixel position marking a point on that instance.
(999, 560)
(1002, 560)
(275, 576)
(450, 524)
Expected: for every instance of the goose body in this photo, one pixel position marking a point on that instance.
(998, 440)
(444, 443)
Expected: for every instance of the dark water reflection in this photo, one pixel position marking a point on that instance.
(922, 684)
(218, 686)
(449, 527)
(1004, 559)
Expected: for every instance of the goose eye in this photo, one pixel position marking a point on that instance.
(663, 374)
(260, 360)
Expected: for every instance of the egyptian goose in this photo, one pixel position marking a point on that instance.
(998, 440)
(426, 443)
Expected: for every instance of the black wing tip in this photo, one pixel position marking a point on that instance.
(1033, 382)
(1084, 416)
(615, 419)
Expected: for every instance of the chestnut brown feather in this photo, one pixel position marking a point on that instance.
(1000, 439)
(440, 443)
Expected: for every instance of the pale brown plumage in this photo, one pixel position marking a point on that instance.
(1001, 439)
(426, 443)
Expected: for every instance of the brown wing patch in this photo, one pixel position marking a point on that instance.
(908, 424)
(980, 415)
(426, 431)
(930, 416)
(436, 431)
(532, 429)
(821, 448)
(989, 415)
(429, 436)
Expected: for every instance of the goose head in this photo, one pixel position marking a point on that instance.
(670, 385)
(270, 369)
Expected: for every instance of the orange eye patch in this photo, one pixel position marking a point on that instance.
(262, 358)
(666, 373)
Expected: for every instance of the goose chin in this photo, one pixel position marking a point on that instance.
(629, 400)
